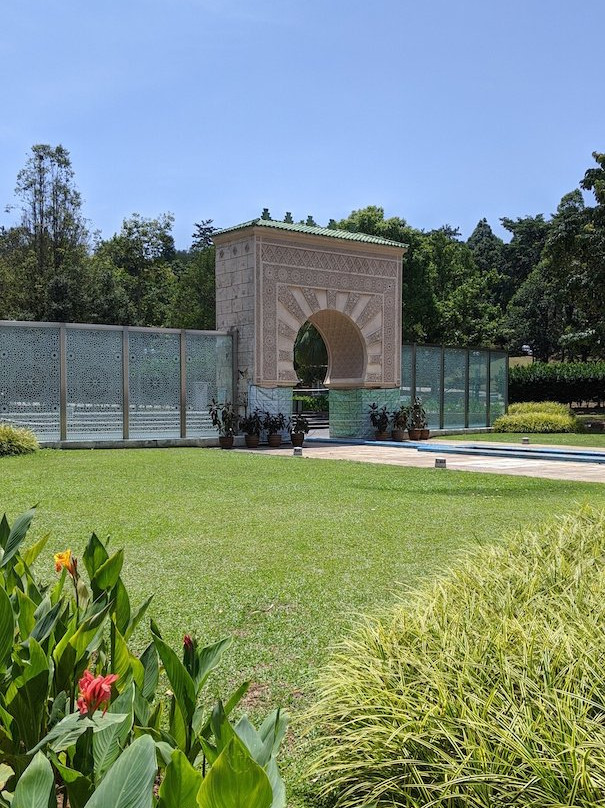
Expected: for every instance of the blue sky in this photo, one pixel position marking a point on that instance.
(441, 112)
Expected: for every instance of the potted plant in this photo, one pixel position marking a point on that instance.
(274, 423)
(380, 421)
(224, 419)
(252, 425)
(399, 421)
(417, 423)
(299, 427)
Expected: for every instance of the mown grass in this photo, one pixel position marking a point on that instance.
(586, 439)
(281, 552)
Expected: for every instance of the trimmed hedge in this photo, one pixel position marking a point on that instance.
(15, 440)
(535, 422)
(567, 382)
(539, 406)
(483, 689)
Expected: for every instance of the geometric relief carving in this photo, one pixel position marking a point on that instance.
(332, 284)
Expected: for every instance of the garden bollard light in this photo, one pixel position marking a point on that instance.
(440, 463)
(297, 451)
(524, 441)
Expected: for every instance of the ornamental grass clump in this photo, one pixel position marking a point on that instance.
(15, 440)
(486, 688)
(553, 407)
(536, 422)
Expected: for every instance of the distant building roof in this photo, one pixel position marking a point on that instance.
(313, 231)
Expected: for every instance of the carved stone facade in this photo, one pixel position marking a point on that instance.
(271, 281)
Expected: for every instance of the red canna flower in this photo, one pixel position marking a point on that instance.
(188, 642)
(95, 692)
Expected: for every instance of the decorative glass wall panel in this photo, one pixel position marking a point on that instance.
(94, 384)
(154, 384)
(30, 379)
(209, 375)
(428, 381)
(406, 374)
(477, 378)
(454, 395)
(498, 390)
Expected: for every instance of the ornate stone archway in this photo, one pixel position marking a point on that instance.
(271, 277)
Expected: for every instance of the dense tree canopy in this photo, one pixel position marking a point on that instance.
(544, 287)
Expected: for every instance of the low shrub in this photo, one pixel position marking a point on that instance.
(538, 406)
(15, 440)
(568, 382)
(314, 403)
(484, 689)
(535, 422)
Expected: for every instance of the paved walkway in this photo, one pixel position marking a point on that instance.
(554, 470)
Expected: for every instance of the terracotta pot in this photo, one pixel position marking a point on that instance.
(382, 436)
(252, 441)
(297, 438)
(225, 441)
(397, 435)
(424, 434)
(415, 434)
(274, 440)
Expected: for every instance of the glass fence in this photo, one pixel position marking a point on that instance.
(94, 382)
(459, 387)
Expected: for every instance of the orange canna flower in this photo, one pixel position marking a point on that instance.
(95, 692)
(65, 559)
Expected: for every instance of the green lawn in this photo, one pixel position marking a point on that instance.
(589, 440)
(281, 552)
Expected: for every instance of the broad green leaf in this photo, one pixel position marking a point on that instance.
(129, 782)
(27, 696)
(121, 608)
(149, 661)
(125, 664)
(66, 732)
(221, 728)
(32, 553)
(274, 728)
(208, 659)
(45, 624)
(36, 786)
(108, 573)
(79, 787)
(235, 781)
(177, 725)
(5, 774)
(137, 616)
(7, 628)
(94, 556)
(181, 783)
(4, 531)
(277, 784)
(16, 535)
(25, 615)
(178, 676)
(107, 744)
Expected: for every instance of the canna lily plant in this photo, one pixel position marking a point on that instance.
(80, 718)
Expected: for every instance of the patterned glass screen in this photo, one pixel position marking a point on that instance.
(406, 374)
(30, 379)
(498, 386)
(428, 381)
(154, 384)
(94, 384)
(454, 378)
(208, 362)
(477, 378)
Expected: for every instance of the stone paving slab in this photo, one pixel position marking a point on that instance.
(550, 469)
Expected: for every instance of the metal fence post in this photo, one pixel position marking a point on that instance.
(467, 387)
(413, 379)
(506, 372)
(125, 384)
(442, 390)
(63, 382)
(183, 378)
(234, 367)
(488, 390)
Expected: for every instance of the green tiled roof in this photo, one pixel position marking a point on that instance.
(313, 231)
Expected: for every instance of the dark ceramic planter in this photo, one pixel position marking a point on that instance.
(297, 438)
(398, 435)
(274, 440)
(382, 436)
(225, 441)
(415, 434)
(252, 441)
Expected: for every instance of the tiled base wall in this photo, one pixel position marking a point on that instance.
(349, 411)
